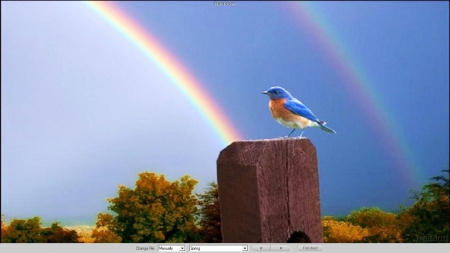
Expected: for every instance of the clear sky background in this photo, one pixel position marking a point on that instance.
(83, 110)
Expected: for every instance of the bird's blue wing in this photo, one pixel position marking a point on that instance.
(299, 108)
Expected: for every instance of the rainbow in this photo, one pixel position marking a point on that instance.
(183, 79)
(359, 86)
(356, 81)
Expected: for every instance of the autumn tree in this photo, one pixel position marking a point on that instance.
(102, 235)
(335, 231)
(57, 234)
(156, 210)
(382, 226)
(103, 232)
(209, 215)
(23, 231)
(30, 230)
(430, 212)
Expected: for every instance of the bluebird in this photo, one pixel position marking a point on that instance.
(292, 113)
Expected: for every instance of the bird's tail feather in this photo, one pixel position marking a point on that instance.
(326, 129)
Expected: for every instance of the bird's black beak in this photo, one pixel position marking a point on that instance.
(265, 92)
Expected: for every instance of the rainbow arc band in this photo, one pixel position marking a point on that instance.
(181, 77)
(306, 15)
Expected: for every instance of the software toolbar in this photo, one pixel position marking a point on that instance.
(231, 248)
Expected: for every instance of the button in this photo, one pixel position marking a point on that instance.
(310, 247)
(182, 248)
(280, 248)
(245, 248)
(260, 247)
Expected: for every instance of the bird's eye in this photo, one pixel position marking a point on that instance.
(275, 91)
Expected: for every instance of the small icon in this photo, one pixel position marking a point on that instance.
(182, 248)
(245, 248)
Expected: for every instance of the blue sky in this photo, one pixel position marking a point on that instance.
(83, 110)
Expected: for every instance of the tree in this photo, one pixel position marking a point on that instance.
(335, 231)
(430, 212)
(102, 235)
(21, 231)
(103, 232)
(209, 215)
(3, 223)
(30, 230)
(84, 232)
(382, 226)
(370, 217)
(156, 210)
(4, 227)
(57, 234)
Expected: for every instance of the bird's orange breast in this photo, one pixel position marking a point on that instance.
(278, 110)
(286, 117)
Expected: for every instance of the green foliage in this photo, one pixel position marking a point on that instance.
(370, 217)
(363, 225)
(209, 215)
(430, 214)
(382, 226)
(426, 221)
(155, 211)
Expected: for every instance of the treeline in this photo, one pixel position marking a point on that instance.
(156, 210)
(159, 211)
(426, 221)
(30, 230)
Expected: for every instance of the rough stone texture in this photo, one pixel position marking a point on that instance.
(269, 189)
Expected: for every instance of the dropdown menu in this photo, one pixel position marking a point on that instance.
(219, 248)
(171, 248)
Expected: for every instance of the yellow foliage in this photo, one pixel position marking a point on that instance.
(342, 232)
(4, 228)
(366, 225)
(156, 210)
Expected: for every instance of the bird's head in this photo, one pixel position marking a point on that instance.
(277, 92)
